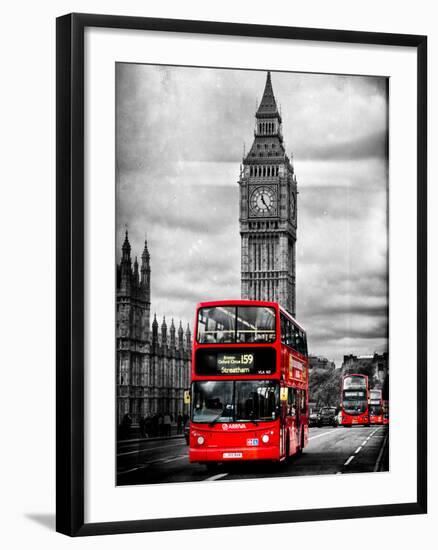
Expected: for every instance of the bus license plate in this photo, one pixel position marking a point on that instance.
(232, 455)
(252, 442)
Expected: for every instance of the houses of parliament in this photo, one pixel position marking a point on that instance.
(153, 363)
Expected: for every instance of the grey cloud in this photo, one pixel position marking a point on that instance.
(340, 327)
(373, 145)
(353, 309)
(195, 209)
(352, 202)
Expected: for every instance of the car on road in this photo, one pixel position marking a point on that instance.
(327, 416)
(313, 419)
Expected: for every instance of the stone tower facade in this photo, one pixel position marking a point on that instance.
(153, 366)
(268, 211)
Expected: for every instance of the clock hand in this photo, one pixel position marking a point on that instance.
(263, 201)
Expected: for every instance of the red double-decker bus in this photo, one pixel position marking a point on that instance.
(354, 400)
(249, 391)
(376, 407)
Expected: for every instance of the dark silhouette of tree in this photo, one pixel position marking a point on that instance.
(325, 387)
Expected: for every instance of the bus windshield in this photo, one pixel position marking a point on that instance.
(235, 401)
(354, 401)
(231, 324)
(354, 382)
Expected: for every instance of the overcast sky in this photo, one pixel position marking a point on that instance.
(180, 138)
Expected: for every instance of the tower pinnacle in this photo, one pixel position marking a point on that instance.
(268, 105)
(126, 248)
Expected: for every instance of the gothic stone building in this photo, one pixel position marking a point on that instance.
(153, 366)
(268, 211)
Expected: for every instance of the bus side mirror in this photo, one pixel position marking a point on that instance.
(283, 394)
(186, 397)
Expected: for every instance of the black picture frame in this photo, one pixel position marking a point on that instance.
(70, 273)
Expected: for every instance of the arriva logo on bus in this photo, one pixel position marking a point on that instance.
(233, 426)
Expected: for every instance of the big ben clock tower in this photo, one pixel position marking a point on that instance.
(268, 211)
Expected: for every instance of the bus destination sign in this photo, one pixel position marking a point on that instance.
(354, 393)
(235, 362)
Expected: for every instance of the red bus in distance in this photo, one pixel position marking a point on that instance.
(354, 400)
(376, 407)
(249, 391)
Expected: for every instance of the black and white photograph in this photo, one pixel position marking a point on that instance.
(251, 286)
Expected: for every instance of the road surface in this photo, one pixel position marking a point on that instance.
(330, 451)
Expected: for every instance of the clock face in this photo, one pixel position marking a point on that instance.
(293, 206)
(262, 201)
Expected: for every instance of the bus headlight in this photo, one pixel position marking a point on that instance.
(265, 438)
(200, 440)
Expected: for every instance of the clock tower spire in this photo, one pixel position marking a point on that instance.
(268, 213)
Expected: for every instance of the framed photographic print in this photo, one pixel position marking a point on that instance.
(241, 263)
